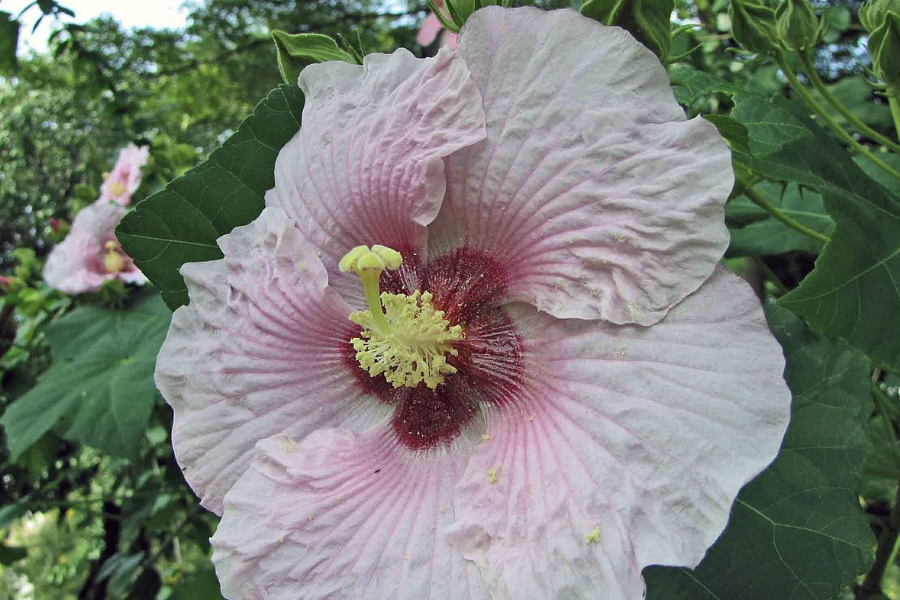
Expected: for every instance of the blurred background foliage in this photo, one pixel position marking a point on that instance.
(76, 522)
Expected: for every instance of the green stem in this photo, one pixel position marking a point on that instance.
(864, 129)
(895, 113)
(883, 405)
(761, 201)
(823, 114)
(887, 547)
(771, 276)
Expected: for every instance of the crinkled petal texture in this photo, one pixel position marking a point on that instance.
(366, 166)
(258, 352)
(593, 190)
(75, 265)
(628, 449)
(344, 516)
(125, 178)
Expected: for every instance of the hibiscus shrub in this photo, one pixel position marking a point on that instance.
(579, 306)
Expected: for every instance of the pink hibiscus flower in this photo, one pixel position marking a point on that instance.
(431, 28)
(125, 177)
(554, 384)
(91, 255)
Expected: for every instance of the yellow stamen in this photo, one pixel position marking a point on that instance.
(113, 261)
(404, 337)
(116, 188)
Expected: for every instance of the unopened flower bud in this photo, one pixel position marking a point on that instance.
(753, 26)
(873, 13)
(884, 46)
(797, 25)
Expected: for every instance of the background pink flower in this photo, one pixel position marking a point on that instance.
(91, 254)
(431, 28)
(614, 388)
(125, 178)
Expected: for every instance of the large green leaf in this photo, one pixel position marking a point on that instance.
(754, 232)
(797, 530)
(181, 223)
(854, 291)
(100, 389)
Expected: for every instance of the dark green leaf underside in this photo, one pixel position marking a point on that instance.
(181, 223)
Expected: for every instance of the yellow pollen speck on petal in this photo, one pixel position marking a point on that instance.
(492, 474)
(289, 446)
(485, 437)
(593, 537)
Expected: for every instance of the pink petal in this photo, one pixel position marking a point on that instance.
(591, 187)
(258, 352)
(343, 516)
(365, 167)
(75, 265)
(429, 31)
(126, 174)
(449, 39)
(645, 434)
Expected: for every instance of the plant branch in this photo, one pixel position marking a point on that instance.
(810, 70)
(761, 201)
(823, 114)
(887, 548)
(769, 275)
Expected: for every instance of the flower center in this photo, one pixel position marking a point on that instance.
(404, 337)
(116, 188)
(113, 261)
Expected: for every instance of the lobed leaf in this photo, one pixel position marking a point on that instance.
(99, 390)
(754, 232)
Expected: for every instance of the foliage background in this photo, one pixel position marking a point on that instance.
(94, 513)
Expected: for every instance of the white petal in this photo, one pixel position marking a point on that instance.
(365, 167)
(258, 352)
(343, 516)
(628, 450)
(591, 188)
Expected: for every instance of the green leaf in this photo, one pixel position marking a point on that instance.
(797, 530)
(9, 41)
(203, 586)
(99, 390)
(754, 232)
(857, 95)
(882, 470)
(181, 223)
(733, 132)
(649, 21)
(297, 51)
(11, 554)
(855, 288)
